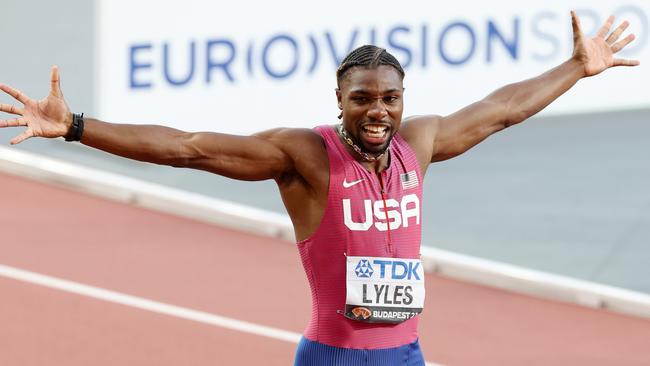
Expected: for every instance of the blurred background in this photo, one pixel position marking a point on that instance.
(566, 192)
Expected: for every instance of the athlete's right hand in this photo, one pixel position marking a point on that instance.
(49, 117)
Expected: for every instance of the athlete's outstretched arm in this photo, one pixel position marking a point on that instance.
(256, 157)
(454, 134)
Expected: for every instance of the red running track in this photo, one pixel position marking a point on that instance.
(65, 234)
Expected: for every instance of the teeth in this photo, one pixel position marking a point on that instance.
(375, 131)
(375, 128)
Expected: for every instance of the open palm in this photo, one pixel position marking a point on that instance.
(597, 54)
(49, 117)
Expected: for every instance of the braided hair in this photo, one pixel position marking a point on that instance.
(368, 57)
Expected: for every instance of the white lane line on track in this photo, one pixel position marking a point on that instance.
(151, 305)
(146, 304)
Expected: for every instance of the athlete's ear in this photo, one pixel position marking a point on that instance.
(338, 97)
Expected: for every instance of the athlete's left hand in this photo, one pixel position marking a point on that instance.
(597, 54)
(49, 117)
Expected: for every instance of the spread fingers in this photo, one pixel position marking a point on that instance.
(8, 108)
(16, 122)
(14, 93)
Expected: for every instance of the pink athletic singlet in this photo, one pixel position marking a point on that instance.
(355, 224)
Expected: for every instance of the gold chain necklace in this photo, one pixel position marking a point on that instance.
(365, 156)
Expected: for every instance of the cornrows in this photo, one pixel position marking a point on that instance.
(367, 56)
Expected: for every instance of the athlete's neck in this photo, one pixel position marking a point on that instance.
(366, 159)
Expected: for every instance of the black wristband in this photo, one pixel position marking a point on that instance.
(76, 129)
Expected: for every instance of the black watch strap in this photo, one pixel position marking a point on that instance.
(76, 129)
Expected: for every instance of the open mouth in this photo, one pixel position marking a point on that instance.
(375, 133)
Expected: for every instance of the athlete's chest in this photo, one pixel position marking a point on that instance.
(380, 202)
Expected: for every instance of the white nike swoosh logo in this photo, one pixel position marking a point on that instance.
(348, 185)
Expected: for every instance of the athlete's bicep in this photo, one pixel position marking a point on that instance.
(257, 157)
(437, 138)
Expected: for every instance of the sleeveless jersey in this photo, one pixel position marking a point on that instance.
(355, 223)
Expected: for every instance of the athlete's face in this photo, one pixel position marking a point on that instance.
(372, 106)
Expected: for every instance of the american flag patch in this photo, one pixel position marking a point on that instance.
(409, 180)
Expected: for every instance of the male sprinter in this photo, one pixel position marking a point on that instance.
(353, 190)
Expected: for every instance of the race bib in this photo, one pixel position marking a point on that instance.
(383, 290)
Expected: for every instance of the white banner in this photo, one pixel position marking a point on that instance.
(248, 66)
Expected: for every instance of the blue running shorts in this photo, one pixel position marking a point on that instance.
(312, 353)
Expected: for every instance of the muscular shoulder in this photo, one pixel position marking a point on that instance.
(304, 147)
(420, 132)
(296, 142)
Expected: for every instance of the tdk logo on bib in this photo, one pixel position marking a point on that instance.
(383, 289)
(395, 269)
(364, 269)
